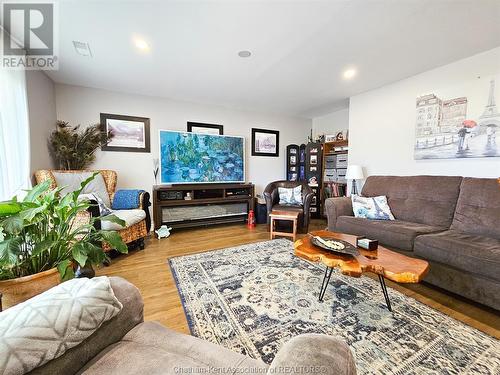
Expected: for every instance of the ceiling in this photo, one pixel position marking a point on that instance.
(299, 48)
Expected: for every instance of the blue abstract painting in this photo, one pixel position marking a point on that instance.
(191, 157)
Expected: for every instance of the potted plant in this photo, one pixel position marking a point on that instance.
(42, 240)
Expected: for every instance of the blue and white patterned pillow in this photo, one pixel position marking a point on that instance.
(290, 196)
(374, 208)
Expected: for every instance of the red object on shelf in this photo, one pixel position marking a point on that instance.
(251, 219)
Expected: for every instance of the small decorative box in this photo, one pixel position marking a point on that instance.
(366, 243)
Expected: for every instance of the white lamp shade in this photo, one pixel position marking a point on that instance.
(354, 172)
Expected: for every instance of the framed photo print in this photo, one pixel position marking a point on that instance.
(265, 142)
(202, 128)
(130, 134)
(330, 138)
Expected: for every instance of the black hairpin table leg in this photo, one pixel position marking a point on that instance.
(384, 290)
(324, 284)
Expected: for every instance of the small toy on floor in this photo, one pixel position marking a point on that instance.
(163, 232)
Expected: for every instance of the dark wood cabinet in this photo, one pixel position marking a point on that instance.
(313, 174)
(194, 205)
(292, 162)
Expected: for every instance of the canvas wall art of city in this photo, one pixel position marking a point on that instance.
(452, 125)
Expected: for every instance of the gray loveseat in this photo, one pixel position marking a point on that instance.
(128, 345)
(452, 222)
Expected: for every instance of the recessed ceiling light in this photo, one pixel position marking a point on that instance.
(349, 73)
(82, 48)
(244, 54)
(141, 44)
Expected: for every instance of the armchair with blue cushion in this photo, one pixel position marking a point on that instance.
(132, 205)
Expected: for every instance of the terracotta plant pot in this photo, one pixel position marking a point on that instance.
(15, 291)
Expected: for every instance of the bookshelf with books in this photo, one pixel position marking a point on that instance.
(335, 160)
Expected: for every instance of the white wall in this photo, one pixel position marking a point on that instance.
(382, 121)
(331, 123)
(80, 105)
(42, 117)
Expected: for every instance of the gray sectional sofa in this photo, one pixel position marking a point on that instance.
(452, 222)
(126, 345)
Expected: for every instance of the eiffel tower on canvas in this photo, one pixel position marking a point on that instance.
(491, 111)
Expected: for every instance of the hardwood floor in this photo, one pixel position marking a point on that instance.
(148, 269)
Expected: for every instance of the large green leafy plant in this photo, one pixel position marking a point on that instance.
(40, 232)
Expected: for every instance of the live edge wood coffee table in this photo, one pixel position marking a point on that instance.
(385, 263)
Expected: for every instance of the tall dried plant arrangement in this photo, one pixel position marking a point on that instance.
(72, 148)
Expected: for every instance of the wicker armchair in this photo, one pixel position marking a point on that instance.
(131, 234)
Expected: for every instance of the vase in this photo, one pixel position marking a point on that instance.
(18, 290)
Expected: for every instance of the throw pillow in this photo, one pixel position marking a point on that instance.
(44, 327)
(290, 196)
(374, 208)
(72, 181)
(127, 199)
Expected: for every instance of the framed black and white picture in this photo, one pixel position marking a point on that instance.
(202, 128)
(265, 142)
(130, 133)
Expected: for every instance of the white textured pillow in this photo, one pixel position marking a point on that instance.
(46, 326)
(72, 182)
(374, 208)
(290, 196)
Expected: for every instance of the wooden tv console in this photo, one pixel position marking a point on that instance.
(209, 204)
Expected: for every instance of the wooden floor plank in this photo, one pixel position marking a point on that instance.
(148, 269)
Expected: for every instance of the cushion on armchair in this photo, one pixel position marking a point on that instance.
(71, 181)
(127, 199)
(130, 217)
(290, 196)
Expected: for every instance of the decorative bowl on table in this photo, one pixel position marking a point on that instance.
(334, 245)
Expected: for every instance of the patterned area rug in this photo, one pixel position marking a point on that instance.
(253, 298)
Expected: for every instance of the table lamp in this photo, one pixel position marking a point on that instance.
(354, 172)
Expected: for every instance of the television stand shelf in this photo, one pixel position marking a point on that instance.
(209, 204)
